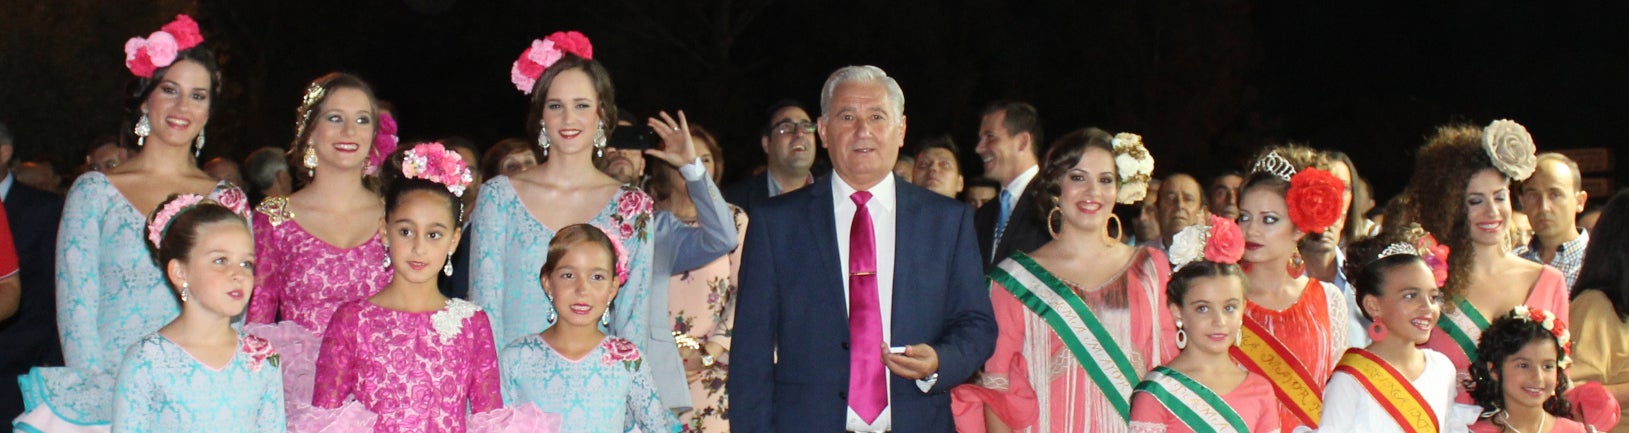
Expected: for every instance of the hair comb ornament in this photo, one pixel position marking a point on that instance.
(544, 53)
(1511, 148)
(1556, 328)
(313, 93)
(1133, 165)
(1398, 248)
(1275, 164)
(143, 56)
(435, 163)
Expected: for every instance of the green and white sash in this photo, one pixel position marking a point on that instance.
(1464, 326)
(1075, 324)
(1196, 405)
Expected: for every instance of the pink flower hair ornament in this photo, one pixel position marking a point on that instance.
(621, 255)
(544, 53)
(161, 219)
(1218, 241)
(383, 143)
(143, 56)
(435, 163)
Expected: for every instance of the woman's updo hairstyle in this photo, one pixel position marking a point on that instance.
(1062, 155)
(1369, 260)
(602, 86)
(396, 185)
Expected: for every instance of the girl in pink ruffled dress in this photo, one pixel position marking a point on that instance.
(1520, 377)
(417, 360)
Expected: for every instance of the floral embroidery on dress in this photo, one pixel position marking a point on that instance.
(633, 214)
(449, 322)
(231, 198)
(276, 210)
(617, 349)
(259, 351)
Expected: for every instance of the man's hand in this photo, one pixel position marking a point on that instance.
(918, 362)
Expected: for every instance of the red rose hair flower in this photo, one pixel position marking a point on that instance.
(1314, 200)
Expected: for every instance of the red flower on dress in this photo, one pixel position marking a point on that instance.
(259, 351)
(1314, 200)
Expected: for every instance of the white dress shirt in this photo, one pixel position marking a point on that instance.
(1018, 184)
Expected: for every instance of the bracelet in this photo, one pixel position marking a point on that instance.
(686, 341)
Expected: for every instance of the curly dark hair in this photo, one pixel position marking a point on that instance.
(1063, 155)
(1505, 337)
(1442, 171)
(1182, 279)
(1366, 270)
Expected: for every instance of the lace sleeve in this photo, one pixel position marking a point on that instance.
(133, 398)
(485, 390)
(336, 369)
(646, 409)
(79, 275)
(488, 249)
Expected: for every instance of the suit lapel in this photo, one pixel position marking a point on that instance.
(821, 221)
(908, 237)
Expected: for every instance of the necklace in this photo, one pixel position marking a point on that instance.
(1505, 418)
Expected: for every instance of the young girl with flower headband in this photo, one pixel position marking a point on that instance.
(110, 292)
(321, 246)
(417, 359)
(1118, 303)
(1202, 390)
(597, 383)
(1295, 326)
(198, 373)
(572, 112)
(1520, 377)
(1391, 385)
(1460, 193)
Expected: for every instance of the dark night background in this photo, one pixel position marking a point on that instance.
(1205, 82)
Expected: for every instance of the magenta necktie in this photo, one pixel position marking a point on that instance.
(867, 378)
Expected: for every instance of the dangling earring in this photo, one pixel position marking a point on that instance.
(310, 161)
(1377, 331)
(543, 139)
(605, 319)
(552, 315)
(387, 257)
(599, 141)
(200, 149)
(1296, 266)
(1238, 338)
(143, 127)
(186, 292)
(447, 268)
(1181, 336)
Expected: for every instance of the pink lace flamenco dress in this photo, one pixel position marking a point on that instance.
(302, 279)
(384, 370)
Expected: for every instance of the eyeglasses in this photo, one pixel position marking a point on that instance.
(788, 127)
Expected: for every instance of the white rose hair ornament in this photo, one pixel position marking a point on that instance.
(1511, 148)
(543, 53)
(1133, 165)
(1218, 241)
(1314, 195)
(1556, 328)
(143, 56)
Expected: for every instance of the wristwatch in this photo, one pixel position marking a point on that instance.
(708, 360)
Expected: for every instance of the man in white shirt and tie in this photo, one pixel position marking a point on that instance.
(1010, 147)
(894, 290)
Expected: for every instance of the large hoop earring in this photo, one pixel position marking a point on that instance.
(543, 139)
(1119, 230)
(1181, 336)
(143, 127)
(1049, 216)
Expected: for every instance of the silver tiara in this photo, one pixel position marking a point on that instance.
(1275, 164)
(1398, 248)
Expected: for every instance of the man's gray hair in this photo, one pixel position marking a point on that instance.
(263, 165)
(864, 74)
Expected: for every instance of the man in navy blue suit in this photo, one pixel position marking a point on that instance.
(28, 338)
(862, 299)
